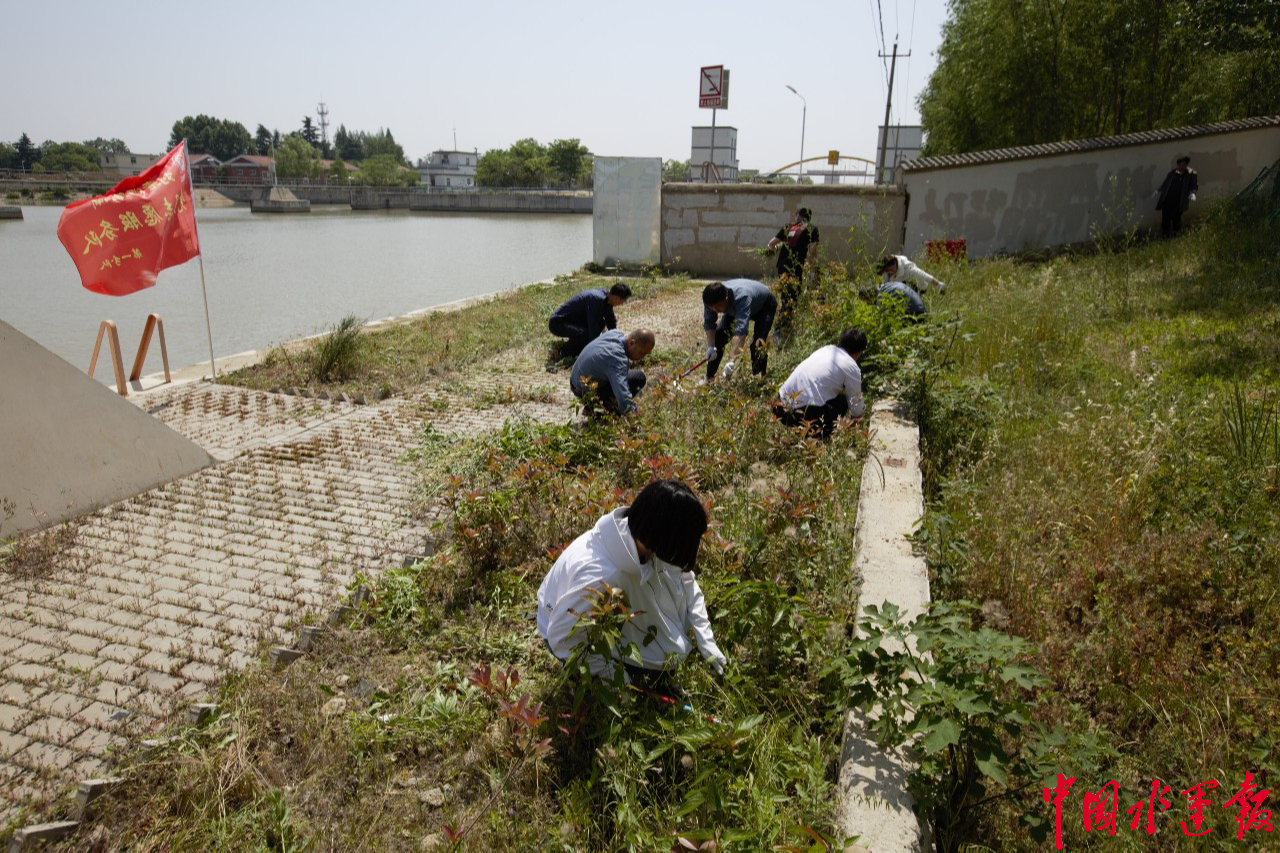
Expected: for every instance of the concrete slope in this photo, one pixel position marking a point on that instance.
(69, 444)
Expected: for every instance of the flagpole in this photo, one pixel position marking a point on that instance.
(204, 293)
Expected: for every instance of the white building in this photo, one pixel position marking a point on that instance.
(450, 169)
(724, 154)
(128, 164)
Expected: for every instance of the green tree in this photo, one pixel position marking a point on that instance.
(309, 132)
(383, 143)
(524, 164)
(338, 172)
(296, 158)
(28, 154)
(262, 141)
(69, 157)
(223, 138)
(348, 146)
(675, 171)
(8, 156)
(569, 161)
(1021, 72)
(384, 170)
(108, 146)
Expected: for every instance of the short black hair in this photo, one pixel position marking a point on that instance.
(621, 290)
(852, 341)
(670, 520)
(886, 262)
(805, 213)
(714, 293)
(1184, 159)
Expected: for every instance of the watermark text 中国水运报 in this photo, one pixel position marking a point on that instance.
(1101, 808)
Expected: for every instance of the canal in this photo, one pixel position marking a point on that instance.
(271, 278)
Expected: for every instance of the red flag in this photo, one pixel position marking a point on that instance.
(122, 239)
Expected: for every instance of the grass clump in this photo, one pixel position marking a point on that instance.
(336, 355)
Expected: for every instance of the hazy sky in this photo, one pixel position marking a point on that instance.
(621, 77)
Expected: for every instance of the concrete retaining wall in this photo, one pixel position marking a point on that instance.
(704, 225)
(69, 444)
(1019, 204)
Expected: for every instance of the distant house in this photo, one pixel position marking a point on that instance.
(249, 169)
(128, 164)
(204, 167)
(450, 169)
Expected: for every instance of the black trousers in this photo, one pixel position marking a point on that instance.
(575, 332)
(761, 325)
(821, 420)
(1170, 219)
(603, 399)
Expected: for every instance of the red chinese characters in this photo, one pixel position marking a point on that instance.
(1100, 810)
(147, 220)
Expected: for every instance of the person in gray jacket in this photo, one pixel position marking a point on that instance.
(728, 308)
(649, 550)
(603, 370)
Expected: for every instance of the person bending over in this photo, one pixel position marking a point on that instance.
(649, 550)
(585, 316)
(825, 386)
(900, 268)
(603, 370)
(728, 309)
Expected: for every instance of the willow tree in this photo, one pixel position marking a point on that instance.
(1020, 72)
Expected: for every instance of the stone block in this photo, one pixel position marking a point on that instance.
(30, 837)
(281, 657)
(718, 234)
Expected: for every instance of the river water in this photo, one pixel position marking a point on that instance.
(274, 277)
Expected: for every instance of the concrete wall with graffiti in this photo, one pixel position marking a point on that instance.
(1026, 203)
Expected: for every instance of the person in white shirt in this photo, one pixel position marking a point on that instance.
(825, 386)
(901, 268)
(648, 550)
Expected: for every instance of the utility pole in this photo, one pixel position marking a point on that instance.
(888, 102)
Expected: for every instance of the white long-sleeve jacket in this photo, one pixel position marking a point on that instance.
(908, 272)
(671, 600)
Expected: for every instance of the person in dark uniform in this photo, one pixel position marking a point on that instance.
(585, 316)
(792, 243)
(1179, 188)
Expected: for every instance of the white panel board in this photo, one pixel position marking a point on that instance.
(627, 211)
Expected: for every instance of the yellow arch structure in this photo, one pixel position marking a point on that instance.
(823, 159)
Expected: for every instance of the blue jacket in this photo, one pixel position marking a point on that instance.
(605, 361)
(746, 299)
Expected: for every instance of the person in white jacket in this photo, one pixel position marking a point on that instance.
(649, 551)
(824, 387)
(901, 268)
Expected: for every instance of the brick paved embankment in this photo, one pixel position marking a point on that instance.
(164, 593)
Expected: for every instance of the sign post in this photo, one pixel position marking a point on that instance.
(713, 93)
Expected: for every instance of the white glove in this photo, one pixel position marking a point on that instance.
(712, 352)
(717, 665)
(1156, 193)
(728, 368)
(942, 288)
(1191, 197)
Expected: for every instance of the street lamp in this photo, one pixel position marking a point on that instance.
(804, 115)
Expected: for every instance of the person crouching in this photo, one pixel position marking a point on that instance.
(825, 386)
(649, 550)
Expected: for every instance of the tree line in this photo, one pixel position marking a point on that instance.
(50, 156)
(1022, 72)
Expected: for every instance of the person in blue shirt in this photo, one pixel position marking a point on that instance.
(603, 373)
(585, 316)
(728, 308)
